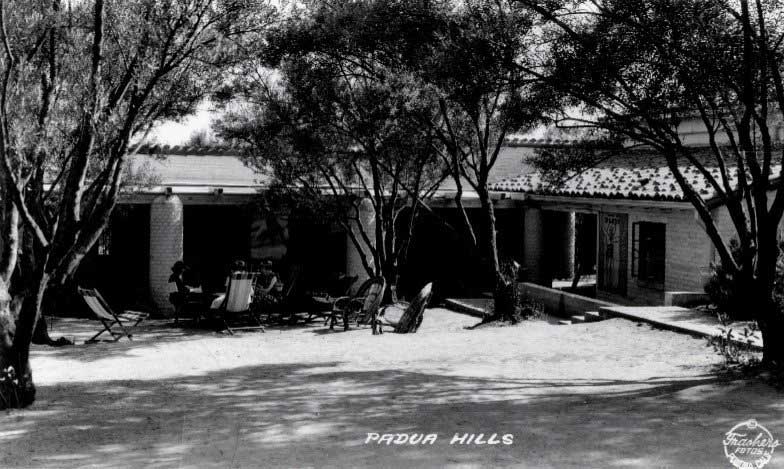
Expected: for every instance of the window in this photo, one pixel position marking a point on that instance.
(105, 242)
(648, 253)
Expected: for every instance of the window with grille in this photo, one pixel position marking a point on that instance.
(105, 242)
(648, 253)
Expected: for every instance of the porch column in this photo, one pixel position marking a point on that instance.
(166, 246)
(353, 259)
(563, 238)
(533, 246)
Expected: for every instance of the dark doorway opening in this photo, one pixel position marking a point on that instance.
(118, 264)
(215, 236)
(440, 253)
(317, 249)
(585, 243)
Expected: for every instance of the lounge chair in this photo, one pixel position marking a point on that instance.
(411, 317)
(103, 312)
(236, 303)
(361, 307)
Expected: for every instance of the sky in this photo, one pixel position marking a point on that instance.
(178, 133)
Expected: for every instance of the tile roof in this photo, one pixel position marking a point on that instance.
(635, 174)
(511, 160)
(517, 141)
(206, 167)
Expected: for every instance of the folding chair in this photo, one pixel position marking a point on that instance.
(103, 312)
(411, 318)
(239, 296)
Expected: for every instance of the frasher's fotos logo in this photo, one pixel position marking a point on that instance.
(749, 445)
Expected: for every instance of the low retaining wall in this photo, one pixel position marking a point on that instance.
(560, 303)
(685, 298)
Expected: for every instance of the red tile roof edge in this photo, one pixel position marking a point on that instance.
(191, 150)
(554, 143)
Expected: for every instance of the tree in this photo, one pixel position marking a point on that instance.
(465, 58)
(79, 88)
(478, 64)
(336, 128)
(641, 68)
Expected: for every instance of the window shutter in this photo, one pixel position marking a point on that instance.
(635, 248)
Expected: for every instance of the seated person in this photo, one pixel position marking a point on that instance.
(186, 298)
(269, 289)
(177, 277)
(178, 270)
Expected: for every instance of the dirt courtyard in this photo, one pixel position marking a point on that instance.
(599, 395)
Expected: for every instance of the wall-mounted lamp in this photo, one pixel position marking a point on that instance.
(218, 191)
(169, 191)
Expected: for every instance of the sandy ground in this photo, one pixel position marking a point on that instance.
(608, 394)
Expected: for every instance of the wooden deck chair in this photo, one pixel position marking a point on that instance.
(411, 318)
(361, 307)
(103, 312)
(237, 301)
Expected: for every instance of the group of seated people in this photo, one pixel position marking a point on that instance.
(268, 289)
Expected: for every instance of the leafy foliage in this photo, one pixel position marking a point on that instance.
(478, 69)
(727, 290)
(642, 69)
(335, 124)
(80, 87)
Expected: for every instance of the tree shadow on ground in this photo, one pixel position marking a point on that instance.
(155, 333)
(317, 415)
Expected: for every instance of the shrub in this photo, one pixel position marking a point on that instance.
(735, 352)
(509, 302)
(727, 294)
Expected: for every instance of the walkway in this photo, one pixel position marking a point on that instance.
(674, 318)
(685, 320)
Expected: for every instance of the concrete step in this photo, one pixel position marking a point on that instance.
(472, 307)
(588, 316)
(564, 322)
(593, 316)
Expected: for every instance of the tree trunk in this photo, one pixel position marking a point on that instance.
(46, 304)
(41, 332)
(770, 317)
(503, 292)
(772, 328)
(16, 377)
(28, 276)
(390, 272)
(489, 239)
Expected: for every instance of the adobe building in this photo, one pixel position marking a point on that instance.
(649, 244)
(624, 220)
(200, 205)
(204, 206)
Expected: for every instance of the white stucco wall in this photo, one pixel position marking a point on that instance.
(166, 246)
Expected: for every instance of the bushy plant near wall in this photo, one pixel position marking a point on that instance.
(509, 302)
(728, 295)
